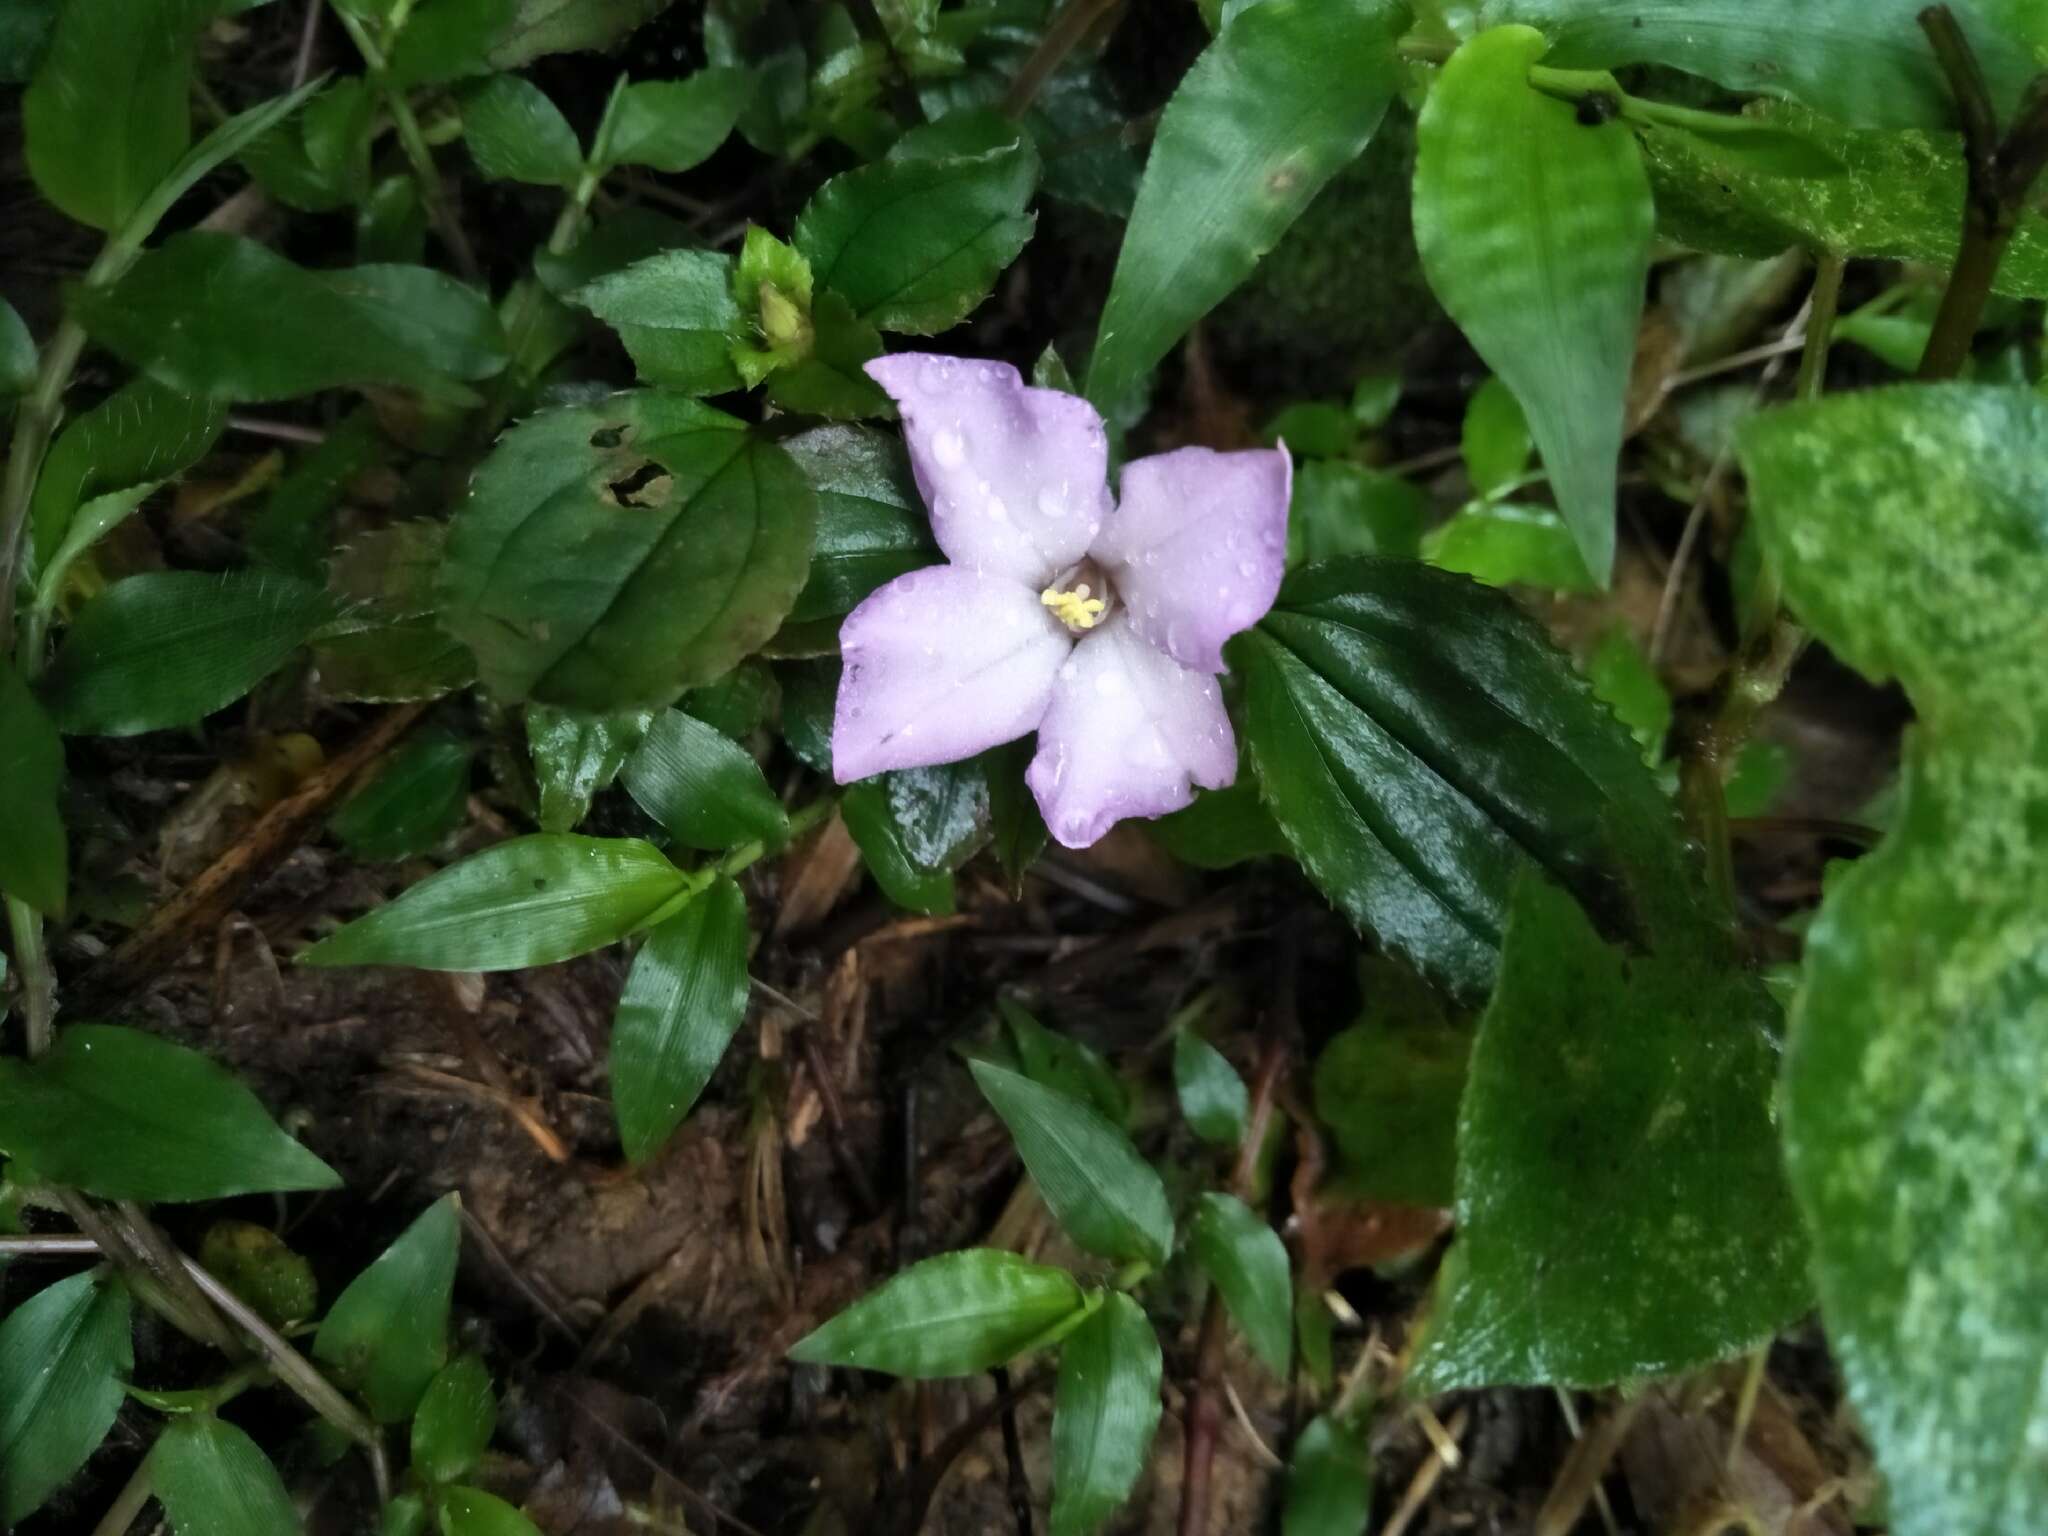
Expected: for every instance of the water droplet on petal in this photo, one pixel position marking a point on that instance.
(1051, 504)
(1246, 568)
(1233, 540)
(950, 449)
(996, 510)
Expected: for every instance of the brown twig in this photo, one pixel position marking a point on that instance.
(1076, 19)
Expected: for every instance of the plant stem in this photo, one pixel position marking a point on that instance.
(38, 981)
(34, 426)
(47, 1247)
(128, 1502)
(1820, 325)
(1076, 19)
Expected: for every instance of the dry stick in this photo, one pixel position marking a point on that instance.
(1077, 18)
(169, 930)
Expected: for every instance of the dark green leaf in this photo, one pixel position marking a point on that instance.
(1628, 684)
(831, 382)
(182, 312)
(1246, 1262)
(1222, 828)
(1285, 96)
(676, 316)
(391, 224)
(1534, 229)
(1910, 528)
(1103, 1194)
(1061, 1062)
(740, 703)
(414, 800)
(257, 1265)
(392, 663)
(1329, 1482)
(455, 1420)
(63, 1355)
(685, 998)
(386, 1336)
(915, 241)
(1495, 439)
(405, 1515)
(17, 353)
(472, 1512)
(674, 125)
(34, 862)
(1105, 1413)
(884, 848)
(1213, 1099)
(322, 161)
(214, 1480)
(657, 543)
(1506, 544)
(1316, 428)
(952, 1315)
(126, 1116)
(872, 526)
(1418, 739)
(141, 434)
(167, 648)
(608, 245)
(1017, 832)
(25, 27)
(448, 40)
(530, 901)
(539, 27)
(1347, 509)
(704, 788)
(516, 134)
(577, 756)
(291, 531)
(1622, 1210)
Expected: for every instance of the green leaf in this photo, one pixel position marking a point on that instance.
(1213, 1099)
(952, 1315)
(89, 524)
(1864, 61)
(916, 826)
(1058, 1061)
(17, 353)
(418, 797)
(63, 1355)
(34, 860)
(1105, 1413)
(386, 1336)
(1418, 739)
(1017, 832)
(472, 1512)
(872, 526)
(448, 40)
(704, 788)
(167, 648)
(1495, 440)
(675, 125)
(1507, 544)
(1534, 229)
(1908, 527)
(1624, 678)
(530, 901)
(1287, 94)
(455, 1420)
(392, 663)
(832, 381)
(1103, 1194)
(880, 838)
(676, 316)
(141, 434)
(685, 998)
(915, 241)
(1222, 828)
(108, 113)
(1329, 1482)
(182, 313)
(577, 756)
(1621, 1208)
(214, 1480)
(126, 1116)
(516, 134)
(405, 1515)
(1247, 1263)
(654, 543)
(258, 1266)
(540, 27)
(321, 162)
(291, 530)
(25, 27)
(1343, 509)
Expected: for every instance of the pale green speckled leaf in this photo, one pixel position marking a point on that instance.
(1911, 528)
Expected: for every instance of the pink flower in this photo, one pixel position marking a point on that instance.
(1097, 623)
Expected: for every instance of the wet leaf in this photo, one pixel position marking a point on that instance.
(455, 1421)
(516, 134)
(1348, 509)
(952, 1315)
(673, 125)
(1213, 1099)
(1105, 1413)
(1247, 1263)
(414, 800)
(704, 788)
(64, 1353)
(676, 316)
(1329, 1482)
(872, 526)
(34, 858)
(386, 1336)
(578, 756)
(214, 1480)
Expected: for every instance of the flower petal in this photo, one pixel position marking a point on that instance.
(941, 664)
(1129, 733)
(1196, 546)
(1014, 476)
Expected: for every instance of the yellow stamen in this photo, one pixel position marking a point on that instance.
(1075, 609)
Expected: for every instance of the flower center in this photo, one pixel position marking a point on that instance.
(1079, 599)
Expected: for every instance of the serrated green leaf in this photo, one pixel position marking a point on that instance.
(676, 316)
(685, 998)
(1059, 1061)
(1213, 1099)
(1534, 229)
(167, 648)
(872, 527)
(258, 1266)
(141, 434)
(126, 1116)
(674, 125)
(704, 788)
(1626, 681)
(63, 1355)
(291, 530)
(952, 1315)
(1287, 94)
(575, 757)
(1105, 1413)
(1329, 1482)
(1910, 528)
(182, 314)
(530, 901)
(658, 543)
(1418, 740)
(1247, 1263)
(393, 663)
(516, 134)
(1508, 544)
(415, 799)
(34, 857)
(472, 1512)
(1103, 1194)
(455, 1421)
(214, 1480)
(915, 241)
(386, 1336)
(1621, 1208)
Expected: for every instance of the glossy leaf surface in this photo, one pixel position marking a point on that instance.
(455, 1420)
(1105, 1413)
(872, 525)
(952, 1315)
(64, 1353)
(704, 788)
(575, 756)
(215, 1481)
(1212, 1096)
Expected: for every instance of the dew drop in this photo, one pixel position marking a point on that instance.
(1222, 594)
(1246, 568)
(995, 509)
(1051, 503)
(950, 449)
(1233, 541)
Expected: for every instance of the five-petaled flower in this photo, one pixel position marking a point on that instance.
(1097, 622)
